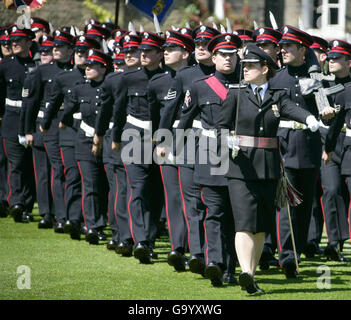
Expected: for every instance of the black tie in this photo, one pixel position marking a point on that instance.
(258, 95)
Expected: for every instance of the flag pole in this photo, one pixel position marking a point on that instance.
(117, 12)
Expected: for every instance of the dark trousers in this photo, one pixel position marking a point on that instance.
(304, 180)
(112, 194)
(120, 204)
(42, 171)
(177, 225)
(335, 202)
(315, 230)
(219, 237)
(3, 174)
(144, 208)
(193, 208)
(94, 194)
(57, 179)
(20, 175)
(73, 184)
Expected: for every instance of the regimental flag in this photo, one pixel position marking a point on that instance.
(33, 4)
(147, 7)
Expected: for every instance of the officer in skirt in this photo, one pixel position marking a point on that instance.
(254, 164)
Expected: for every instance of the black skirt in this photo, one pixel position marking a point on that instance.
(253, 204)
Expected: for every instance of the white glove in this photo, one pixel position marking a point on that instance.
(22, 141)
(312, 123)
(233, 143)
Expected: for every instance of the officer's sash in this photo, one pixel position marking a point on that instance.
(217, 87)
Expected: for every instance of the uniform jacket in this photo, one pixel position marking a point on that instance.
(301, 149)
(13, 71)
(257, 121)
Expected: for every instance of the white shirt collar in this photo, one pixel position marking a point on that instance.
(263, 86)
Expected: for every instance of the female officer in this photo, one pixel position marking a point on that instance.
(85, 97)
(254, 169)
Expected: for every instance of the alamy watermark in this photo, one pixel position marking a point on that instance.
(24, 280)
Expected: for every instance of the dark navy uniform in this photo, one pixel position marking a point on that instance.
(85, 98)
(119, 219)
(159, 92)
(21, 181)
(42, 84)
(301, 152)
(132, 112)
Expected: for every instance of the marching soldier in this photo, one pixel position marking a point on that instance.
(132, 112)
(300, 148)
(41, 161)
(119, 219)
(12, 74)
(61, 89)
(85, 98)
(254, 164)
(42, 84)
(193, 207)
(206, 98)
(320, 47)
(177, 51)
(334, 171)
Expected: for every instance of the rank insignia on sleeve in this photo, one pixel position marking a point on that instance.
(171, 94)
(25, 93)
(275, 110)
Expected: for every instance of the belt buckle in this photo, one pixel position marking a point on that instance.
(343, 129)
(298, 125)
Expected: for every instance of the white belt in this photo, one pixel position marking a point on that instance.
(110, 126)
(146, 125)
(13, 103)
(41, 114)
(175, 124)
(292, 125)
(197, 124)
(77, 116)
(348, 132)
(89, 131)
(209, 133)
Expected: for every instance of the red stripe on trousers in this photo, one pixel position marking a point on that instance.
(202, 198)
(83, 195)
(166, 200)
(130, 199)
(326, 230)
(9, 173)
(184, 210)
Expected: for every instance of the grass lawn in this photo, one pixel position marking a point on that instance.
(63, 269)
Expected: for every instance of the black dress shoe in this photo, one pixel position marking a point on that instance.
(58, 227)
(3, 211)
(196, 264)
(101, 235)
(266, 256)
(46, 222)
(332, 252)
(111, 245)
(289, 268)
(142, 253)
(73, 229)
(176, 260)
(17, 213)
(310, 249)
(125, 248)
(67, 228)
(246, 280)
(214, 273)
(92, 237)
(229, 278)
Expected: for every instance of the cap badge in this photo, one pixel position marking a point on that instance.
(146, 35)
(261, 31)
(168, 34)
(14, 29)
(236, 33)
(183, 31)
(91, 52)
(228, 38)
(286, 30)
(335, 43)
(57, 32)
(82, 38)
(127, 38)
(203, 28)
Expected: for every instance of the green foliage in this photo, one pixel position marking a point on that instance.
(99, 12)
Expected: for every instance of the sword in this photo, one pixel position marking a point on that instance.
(157, 25)
(272, 20)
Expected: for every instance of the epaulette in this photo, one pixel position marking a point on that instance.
(281, 69)
(185, 69)
(237, 86)
(159, 75)
(347, 84)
